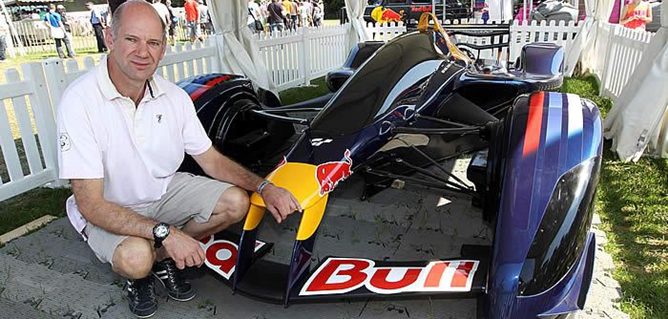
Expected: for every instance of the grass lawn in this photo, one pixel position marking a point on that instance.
(632, 200)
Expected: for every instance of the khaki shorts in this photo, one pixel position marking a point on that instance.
(188, 197)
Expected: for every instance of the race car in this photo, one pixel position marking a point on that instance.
(415, 102)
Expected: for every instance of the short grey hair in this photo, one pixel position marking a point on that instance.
(116, 17)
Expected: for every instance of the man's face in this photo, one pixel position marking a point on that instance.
(89, 6)
(139, 45)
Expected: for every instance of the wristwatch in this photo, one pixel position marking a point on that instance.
(160, 232)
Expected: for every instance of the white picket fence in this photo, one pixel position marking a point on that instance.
(296, 57)
(624, 48)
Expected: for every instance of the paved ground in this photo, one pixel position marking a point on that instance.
(52, 274)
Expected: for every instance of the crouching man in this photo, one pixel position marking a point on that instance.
(122, 133)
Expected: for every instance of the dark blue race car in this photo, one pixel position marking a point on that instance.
(416, 101)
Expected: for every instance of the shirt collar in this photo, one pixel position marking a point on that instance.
(109, 90)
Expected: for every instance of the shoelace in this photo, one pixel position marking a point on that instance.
(173, 277)
(142, 290)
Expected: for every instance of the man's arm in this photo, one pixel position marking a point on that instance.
(278, 200)
(107, 215)
(116, 219)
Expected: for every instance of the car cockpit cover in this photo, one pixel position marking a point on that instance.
(359, 102)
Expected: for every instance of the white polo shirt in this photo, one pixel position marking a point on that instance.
(136, 150)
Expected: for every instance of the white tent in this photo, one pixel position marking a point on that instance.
(639, 118)
(237, 49)
(355, 12)
(500, 9)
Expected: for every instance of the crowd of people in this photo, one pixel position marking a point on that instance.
(277, 15)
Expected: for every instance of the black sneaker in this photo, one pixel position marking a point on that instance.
(170, 277)
(141, 297)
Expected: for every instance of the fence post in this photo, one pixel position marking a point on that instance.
(56, 80)
(305, 61)
(606, 66)
(45, 119)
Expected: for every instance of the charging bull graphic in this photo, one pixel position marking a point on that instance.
(381, 15)
(329, 174)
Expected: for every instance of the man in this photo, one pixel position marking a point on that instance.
(55, 23)
(191, 8)
(98, 23)
(276, 16)
(60, 9)
(294, 15)
(122, 135)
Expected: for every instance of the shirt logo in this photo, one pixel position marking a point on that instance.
(64, 142)
(159, 118)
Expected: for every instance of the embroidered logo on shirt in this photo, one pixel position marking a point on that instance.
(159, 117)
(64, 141)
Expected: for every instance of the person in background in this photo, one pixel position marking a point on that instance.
(173, 21)
(163, 12)
(276, 16)
(308, 8)
(55, 23)
(60, 9)
(4, 32)
(192, 19)
(317, 13)
(264, 14)
(253, 16)
(204, 18)
(636, 15)
(304, 14)
(294, 15)
(485, 12)
(97, 21)
(287, 8)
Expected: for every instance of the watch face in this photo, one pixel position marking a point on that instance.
(161, 231)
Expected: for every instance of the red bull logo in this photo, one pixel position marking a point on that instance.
(382, 15)
(329, 174)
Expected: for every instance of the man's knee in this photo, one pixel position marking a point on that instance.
(233, 204)
(133, 258)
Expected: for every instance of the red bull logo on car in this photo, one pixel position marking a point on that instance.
(329, 174)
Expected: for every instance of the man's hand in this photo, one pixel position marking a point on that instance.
(185, 250)
(279, 201)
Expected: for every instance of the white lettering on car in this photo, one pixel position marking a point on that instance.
(342, 275)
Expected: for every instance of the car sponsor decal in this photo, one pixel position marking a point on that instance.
(342, 275)
(329, 174)
(206, 86)
(534, 123)
(221, 255)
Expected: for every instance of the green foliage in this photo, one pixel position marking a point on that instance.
(333, 8)
(632, 201)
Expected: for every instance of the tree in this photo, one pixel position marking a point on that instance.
(333, 8)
